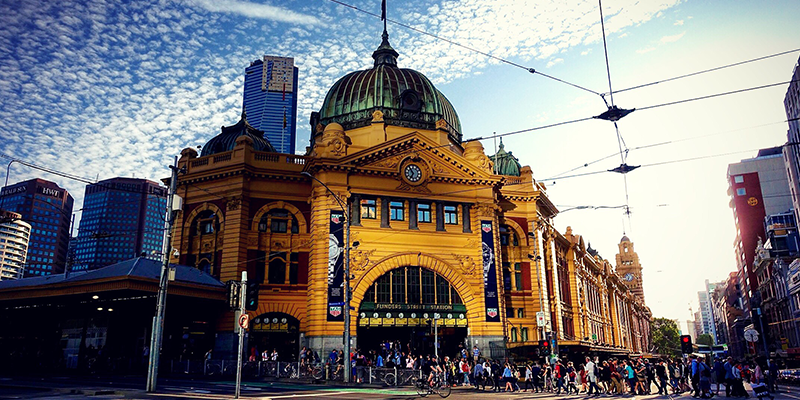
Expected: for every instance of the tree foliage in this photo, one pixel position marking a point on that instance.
(705, 339)
(665, 336)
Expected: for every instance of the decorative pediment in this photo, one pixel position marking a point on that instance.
(436, 162)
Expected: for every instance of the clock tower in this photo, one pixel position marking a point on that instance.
(628, 267)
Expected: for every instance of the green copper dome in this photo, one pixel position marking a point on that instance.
(504, 162)
(406, 97)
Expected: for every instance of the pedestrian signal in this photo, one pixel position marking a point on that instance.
(686, 344)
(544, 348)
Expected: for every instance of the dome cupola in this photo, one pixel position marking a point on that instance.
(405, 97)
(226, 140)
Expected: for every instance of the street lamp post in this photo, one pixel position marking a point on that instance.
(536, 260)
(345, 208)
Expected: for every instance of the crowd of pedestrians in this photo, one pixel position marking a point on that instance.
(590, 376)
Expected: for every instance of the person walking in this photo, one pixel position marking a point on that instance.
(529, 378)
(728, 376)
(591, 370)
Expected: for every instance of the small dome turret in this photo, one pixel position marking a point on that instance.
(227, 139)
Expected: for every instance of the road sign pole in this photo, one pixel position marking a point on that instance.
(242, 311)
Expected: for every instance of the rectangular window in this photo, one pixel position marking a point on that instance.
(451, 215)
(517, 276)
(428, 287)
(368, 209)
(396, 212)
(423, 212)
(413, 286)
(279, 225)
(738, 179)
(741, 192)
(398, 286)
(382, 289)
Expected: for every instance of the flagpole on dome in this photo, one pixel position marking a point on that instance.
(383, 16)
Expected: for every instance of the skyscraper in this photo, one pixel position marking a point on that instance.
(48, 209)
(270, 100)
(122, 218)
(14, 238)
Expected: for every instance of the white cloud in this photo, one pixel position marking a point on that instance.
(645, 50)
(555, 62)
(678, 22)
(255, 10)
(672, 38)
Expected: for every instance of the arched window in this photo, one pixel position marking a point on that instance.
(206, 222)
(513, 334)
(412, 285)
(278, 220)
(524, 334)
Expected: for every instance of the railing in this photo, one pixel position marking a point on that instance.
(295, 370)
(222, 157)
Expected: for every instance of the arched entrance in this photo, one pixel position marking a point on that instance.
(275, 331)
(413, 306)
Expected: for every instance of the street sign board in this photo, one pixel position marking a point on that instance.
(244, 321)
(540, 319)
(751, 335)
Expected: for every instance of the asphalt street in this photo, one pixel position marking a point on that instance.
(132, 388)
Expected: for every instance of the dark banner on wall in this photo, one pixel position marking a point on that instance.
(336, 267)
(489, 272)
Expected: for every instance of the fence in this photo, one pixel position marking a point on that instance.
(294, 370)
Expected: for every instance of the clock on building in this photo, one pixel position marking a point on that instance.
(413, 172)
(628, 277)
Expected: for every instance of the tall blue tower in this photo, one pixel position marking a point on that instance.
(122, 218)
(270, 100)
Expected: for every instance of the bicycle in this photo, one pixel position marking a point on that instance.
(439, 386)
(390, 379)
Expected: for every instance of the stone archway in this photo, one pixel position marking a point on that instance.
(471, 300)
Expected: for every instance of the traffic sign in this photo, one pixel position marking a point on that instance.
(244, 321)
(540, 319)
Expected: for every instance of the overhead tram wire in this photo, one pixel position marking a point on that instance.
(702, 72)
(472, 49)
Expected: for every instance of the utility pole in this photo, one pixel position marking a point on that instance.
(242, 311)
(158, 320)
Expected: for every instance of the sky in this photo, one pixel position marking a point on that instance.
(105, 89)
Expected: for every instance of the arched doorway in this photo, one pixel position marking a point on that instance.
(275, 331)
(413, 306)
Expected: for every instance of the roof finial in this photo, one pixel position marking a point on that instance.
(385, 54)
(244, 113)
(383, 16)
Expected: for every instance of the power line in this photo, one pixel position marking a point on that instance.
(472, 49)
(702, 72)
(717, 95)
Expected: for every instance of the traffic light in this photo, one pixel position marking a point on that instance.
(686, 344)
(544, 348)
(251, 301)
(232, 289)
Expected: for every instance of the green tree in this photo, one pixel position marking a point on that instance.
(665, 336)
(705, 339)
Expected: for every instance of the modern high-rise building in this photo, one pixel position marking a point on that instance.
(706, 316)
(758, 187)
(122, 218)
(14, 237)
(48, 209)
(270, 100)
(791, 152)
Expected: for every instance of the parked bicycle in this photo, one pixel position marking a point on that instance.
(391, 379)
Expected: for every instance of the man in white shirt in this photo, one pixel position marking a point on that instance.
(591, 377)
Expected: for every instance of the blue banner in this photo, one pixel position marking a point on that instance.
(489, 272)
(336, 267)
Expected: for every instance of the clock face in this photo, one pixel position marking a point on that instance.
(413, 172)
(628, 277)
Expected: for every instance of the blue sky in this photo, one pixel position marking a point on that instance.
(102, 89)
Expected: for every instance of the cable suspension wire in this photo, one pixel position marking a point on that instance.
(671, 103)
(472, 49)
(702, 72)
(605, 50)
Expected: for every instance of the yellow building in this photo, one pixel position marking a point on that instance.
(438, 231)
